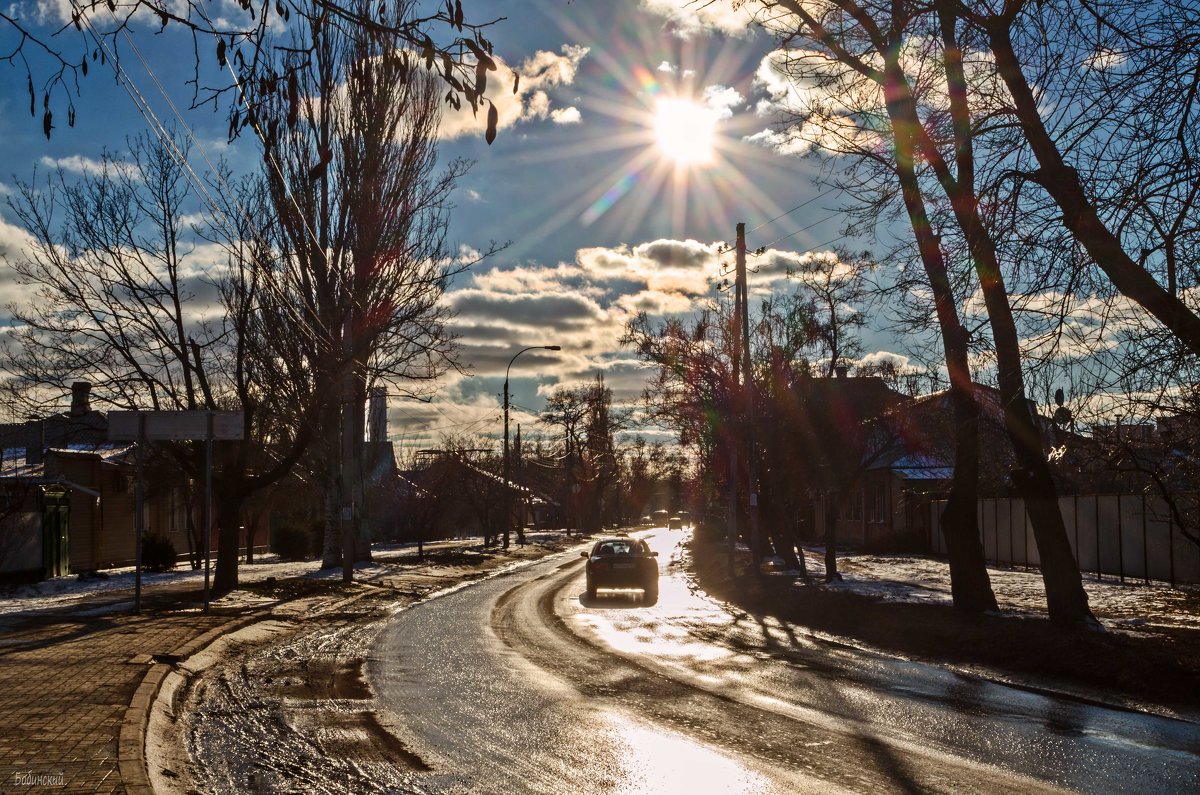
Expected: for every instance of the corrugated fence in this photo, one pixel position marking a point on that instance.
(1125, 536)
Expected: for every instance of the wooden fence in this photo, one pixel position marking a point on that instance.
(1125, 536)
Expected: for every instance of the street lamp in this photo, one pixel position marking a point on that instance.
(507, 489)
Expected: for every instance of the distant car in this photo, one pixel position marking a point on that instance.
(645, 521)
(622, 562)
(675, 523)
(686, 518)
(660, 518)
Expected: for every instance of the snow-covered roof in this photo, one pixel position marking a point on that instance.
(13, 464)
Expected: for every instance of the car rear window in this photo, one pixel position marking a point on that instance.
(620, 548)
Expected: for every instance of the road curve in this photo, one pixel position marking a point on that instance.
(520, 684)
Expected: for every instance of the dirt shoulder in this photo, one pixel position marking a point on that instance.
(1152, 667)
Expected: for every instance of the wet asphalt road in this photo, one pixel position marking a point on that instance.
(522, 684)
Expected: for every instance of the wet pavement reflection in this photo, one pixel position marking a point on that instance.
(826, 681)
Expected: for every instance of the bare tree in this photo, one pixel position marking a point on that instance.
(869, 46)
(587, 426)
(117, 301)
(361, 215)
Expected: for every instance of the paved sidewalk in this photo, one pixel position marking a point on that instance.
(68, 676)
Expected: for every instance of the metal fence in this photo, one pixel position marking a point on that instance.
(1127, 536)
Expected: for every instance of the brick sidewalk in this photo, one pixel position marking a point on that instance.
(68, 675)
(67, 679)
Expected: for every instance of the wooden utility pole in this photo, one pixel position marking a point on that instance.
(748, 398)
(734, 420)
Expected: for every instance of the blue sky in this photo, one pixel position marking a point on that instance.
(587, 179)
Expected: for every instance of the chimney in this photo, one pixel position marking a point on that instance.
(35, 441)
(377, 415)
(841, 370)
(79, 398)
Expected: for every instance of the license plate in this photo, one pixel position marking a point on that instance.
(623, 565)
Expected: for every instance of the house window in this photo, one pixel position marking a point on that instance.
(854, 506)
(876, 503)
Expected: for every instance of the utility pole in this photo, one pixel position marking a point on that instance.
(748, 399)
(734, 419)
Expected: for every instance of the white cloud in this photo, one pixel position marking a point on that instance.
(15, 242)
(689, 16)
(566, 115)
(1104, 58)
(901, 362)
(722, 100)
(87, 166)
(783, 143)
(686, 267)
(667, 67)
(542, 71)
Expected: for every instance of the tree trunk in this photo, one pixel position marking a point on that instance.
(970, 586)
(331, 547)
(225, 577)
(832, 502)
(1065, 597)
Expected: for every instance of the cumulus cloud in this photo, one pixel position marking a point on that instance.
(14, 241)
(781, 142)
(569, 115)
(722, 100)
(540, 311)
(831, 116)
(875, 359)
(688, 17)
(540, 73)
(686, 267)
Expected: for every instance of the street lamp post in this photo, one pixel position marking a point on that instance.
(507, 489)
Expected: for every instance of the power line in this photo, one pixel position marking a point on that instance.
(147, 113)
(794, 209)
(826, 219)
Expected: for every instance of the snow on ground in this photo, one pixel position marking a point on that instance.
(905, 578)
(66, 591)
(911, 578)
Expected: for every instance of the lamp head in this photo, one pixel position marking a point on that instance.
(553, 347)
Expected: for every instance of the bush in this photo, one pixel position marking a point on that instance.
(158, 553)
(293, 543)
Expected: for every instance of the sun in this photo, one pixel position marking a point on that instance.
(684, 130)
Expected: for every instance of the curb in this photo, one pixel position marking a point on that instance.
(131, 748)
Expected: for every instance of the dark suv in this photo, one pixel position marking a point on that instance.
(622, 562)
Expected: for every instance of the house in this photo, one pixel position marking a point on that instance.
(67, 496)
(909, 465)
(452, 496)
(837, 426)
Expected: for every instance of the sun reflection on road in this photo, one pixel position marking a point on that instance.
(664, 762)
